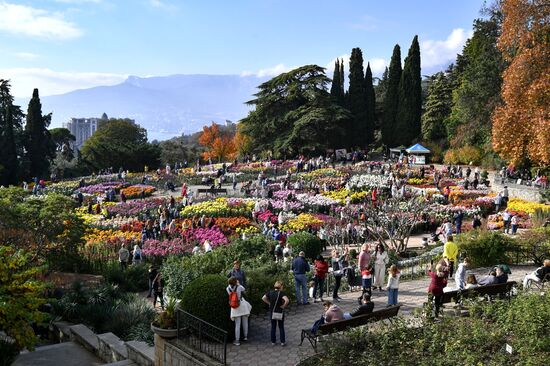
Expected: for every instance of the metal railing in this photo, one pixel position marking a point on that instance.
(202, 336)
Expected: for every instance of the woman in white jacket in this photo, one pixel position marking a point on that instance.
(381, 259)
(239, 314)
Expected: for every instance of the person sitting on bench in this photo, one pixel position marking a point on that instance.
(366, 307)
(538, 275)
(332, 313)
(501, 276)
(491, 279)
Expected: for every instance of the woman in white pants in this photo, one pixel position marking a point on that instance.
(381, 259)
(239, 314)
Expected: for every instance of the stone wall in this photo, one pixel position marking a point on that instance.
(518, 191)
(174, 353)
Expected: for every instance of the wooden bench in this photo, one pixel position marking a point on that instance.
(213, 191)
(489, 290)
(341, 325)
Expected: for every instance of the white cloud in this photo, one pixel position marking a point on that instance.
(33, 22)
(436, 53)
(270, 71)
(78, 1)
(49, 82)
(27, 56)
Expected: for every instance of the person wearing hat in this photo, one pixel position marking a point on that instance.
(238, 273)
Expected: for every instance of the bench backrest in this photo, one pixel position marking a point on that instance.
(499, 288)
(356, 321)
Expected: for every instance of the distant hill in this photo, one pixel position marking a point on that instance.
(166, 106)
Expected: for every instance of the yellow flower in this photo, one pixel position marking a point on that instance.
(516, 204)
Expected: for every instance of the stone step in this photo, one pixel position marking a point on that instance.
(121, 363)
(65, 354)
(62, 330)
(111, 348)
(83, 335)
(141, 353)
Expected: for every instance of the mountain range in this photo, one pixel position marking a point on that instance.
(166, 106)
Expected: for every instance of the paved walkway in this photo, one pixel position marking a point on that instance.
(61, 354)
(259, 351)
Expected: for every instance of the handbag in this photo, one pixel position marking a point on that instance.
(276, 315)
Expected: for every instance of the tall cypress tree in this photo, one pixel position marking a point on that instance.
(357, 99)
(10, 122)
(335, 87)
(391, 99)
(370, 99)
(342, 79)
(38, 142)
(409, 110)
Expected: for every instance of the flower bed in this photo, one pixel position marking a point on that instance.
(137, 190)
(156, 248)
(219, 207)
(100, 188)
(516, 204)
(368, 181)
(341, 195)
(302, 222)
(214, 235)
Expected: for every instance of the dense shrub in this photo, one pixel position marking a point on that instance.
(8, 352)
(178, 272)
(105, 309)
(486, 248)
(262, 278)
(535, 244)
(206, 298)
(304, 241)
(134, 279)
(476, 340)
(463, 155)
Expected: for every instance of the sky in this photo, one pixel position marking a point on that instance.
(62, 45)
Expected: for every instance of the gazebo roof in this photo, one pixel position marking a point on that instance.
(417, 149)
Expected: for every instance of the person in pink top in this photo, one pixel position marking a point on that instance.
(184, 190)
(437, 284)
(332, 312)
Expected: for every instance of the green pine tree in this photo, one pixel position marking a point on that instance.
(342, 79)
(370, 99)
(409, 110)
(38, 142)
(10, 126)
(391, 99)
(437, 108)
(357, 100)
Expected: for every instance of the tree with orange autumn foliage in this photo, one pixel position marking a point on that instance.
(219, 146)
(521, 126)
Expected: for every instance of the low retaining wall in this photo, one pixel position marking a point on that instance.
(174, 353)
(518, 191)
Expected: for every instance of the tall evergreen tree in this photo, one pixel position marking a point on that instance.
(437, 108)
(391, 99)
(335, 87)
(409, 110)
(342, 80)
(10, 124)
(357, 99)
(370, 100)
(38, 142)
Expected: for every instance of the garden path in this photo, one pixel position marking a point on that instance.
(258, 351)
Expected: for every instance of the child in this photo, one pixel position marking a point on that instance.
(393, 284)
(350, 275)
(311, 287)
(366, 279)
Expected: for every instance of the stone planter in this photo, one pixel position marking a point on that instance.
(164, 333)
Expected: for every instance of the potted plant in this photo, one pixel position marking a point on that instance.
(165, 322)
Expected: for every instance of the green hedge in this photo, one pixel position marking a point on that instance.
(207, 299)
(486, 248)
(262, 278)
(310, 244)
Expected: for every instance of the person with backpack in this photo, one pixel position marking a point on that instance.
(240, 309)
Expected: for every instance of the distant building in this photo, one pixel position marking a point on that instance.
(82, 129)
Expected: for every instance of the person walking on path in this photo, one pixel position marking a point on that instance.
(437, 284)
(393, 285)
(337, 272)
(321, 270)
(151, 275)
(450, 251)
(136, 255)
(123, 256)
(158, 290)
(299, 268)
(240, 309)
(381, 259)
(238, 273)
(278, 302)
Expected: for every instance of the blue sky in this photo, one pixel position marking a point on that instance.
(62, 45)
